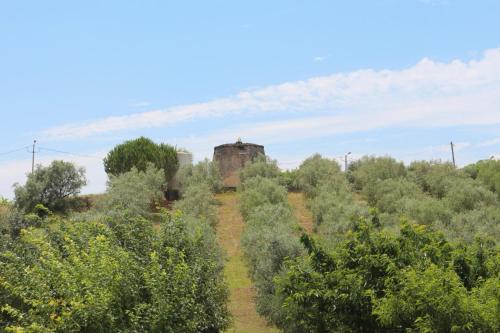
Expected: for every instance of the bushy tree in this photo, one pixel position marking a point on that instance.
(205, 171)
(378, 282)
(261, 166)
(369, 169)
(53, 186)
(288, 178)
(198, 201)
(258, 191)
(315, 171)
(434, 177)
(467, 194)
(268, 240)
(135, 191)
(118, 277)
(386, 194)
(489, 174)
(425, 210)
(139, 153)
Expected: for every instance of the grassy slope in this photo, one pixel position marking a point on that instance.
(242, 305)
(303, 215)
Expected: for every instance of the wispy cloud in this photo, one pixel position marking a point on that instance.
(427, 94)
(491, 142)
(140, 104)
(320, 58)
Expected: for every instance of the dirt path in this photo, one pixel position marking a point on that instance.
(304, 216)
(241, 305)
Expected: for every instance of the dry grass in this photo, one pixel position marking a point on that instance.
(241, 305)
(303, 215)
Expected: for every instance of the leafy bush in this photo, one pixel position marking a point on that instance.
(90, 277)
(489, 174)
(385, 194)
(434, 177)
(198, 201)
(261, 166)
(466, 226)
(134, 191)
(377, 282)
(258, 191)
(288, 179)
(467, 194)
(139, 153)
(426, 210)
(202, 172)
(316, 171)
(53, 186)
(268, 240)
(369, 169)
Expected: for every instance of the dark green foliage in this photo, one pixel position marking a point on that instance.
(139, 153)
(54, 186)
(376, 282)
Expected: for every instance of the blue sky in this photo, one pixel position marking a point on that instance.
(397, 77)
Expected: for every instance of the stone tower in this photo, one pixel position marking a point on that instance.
(232, 157)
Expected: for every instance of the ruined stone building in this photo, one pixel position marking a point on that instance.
(232, 157)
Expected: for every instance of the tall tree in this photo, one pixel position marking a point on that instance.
(138, 153)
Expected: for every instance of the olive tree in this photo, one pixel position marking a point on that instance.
(53, 186)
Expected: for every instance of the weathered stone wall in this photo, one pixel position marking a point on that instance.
(232, 157)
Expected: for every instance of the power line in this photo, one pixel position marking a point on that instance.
(68, 153)
(14, 150)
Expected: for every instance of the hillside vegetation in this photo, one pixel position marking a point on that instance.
(383, 247)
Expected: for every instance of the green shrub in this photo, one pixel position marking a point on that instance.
(315, 171)
(378, 282)
(466, 226)
(202, 172)
(385, 194)
(434, 177)
(288, 179)
(369, 169)
(467, 194)
(54, 186)
(117, 277)
(198, 201)
(489, 174)
(261, 166)
(425, 210)
(137, 192)
(259, 191)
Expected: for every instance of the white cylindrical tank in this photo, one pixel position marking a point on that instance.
(184, 157)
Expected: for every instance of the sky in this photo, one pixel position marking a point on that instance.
(377, 77)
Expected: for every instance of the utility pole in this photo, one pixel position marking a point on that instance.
(453, 153)
(33, 157)
(345, 160)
